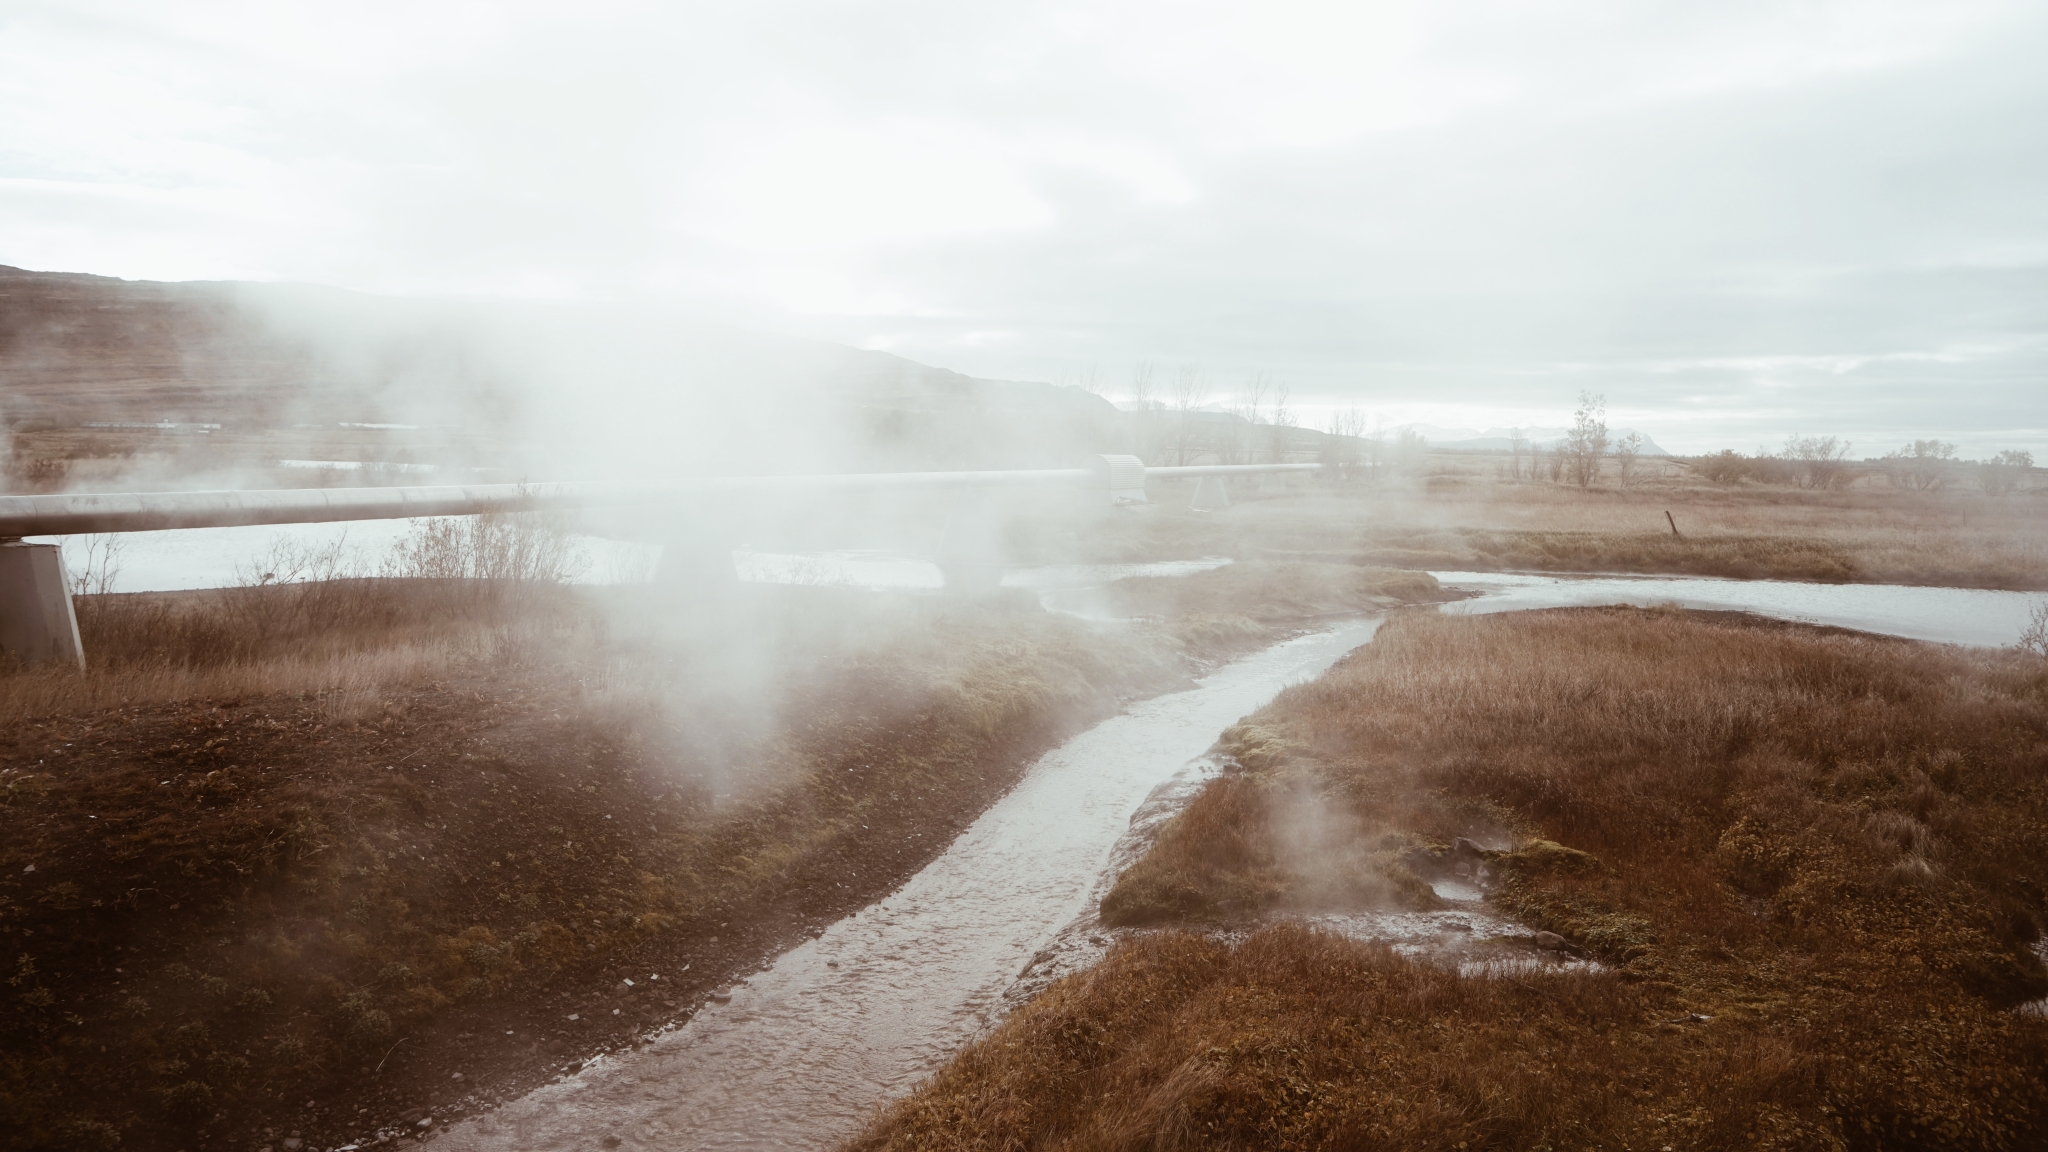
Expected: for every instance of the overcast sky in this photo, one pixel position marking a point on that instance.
(1737, 220)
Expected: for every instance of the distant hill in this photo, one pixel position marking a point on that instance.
(599, 387)
(1500, 439)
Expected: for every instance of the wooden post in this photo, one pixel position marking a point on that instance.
(1673, 523)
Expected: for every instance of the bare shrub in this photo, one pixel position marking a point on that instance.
(1628, 453)
(1817, 462)
(1518, 446)
(1922, 466)
(1344, 444)
(38, 473)
(1724, 467)
(102, 566)
(499, 553)
(2002, 473)
(2034, 640)
(1586, 443)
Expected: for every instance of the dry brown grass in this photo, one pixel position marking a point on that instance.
(1273, 591)
(1469, 521)
(510, 798)
(1835, 846)
(341, 639)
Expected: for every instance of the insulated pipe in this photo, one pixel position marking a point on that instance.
(37, 624)
(152, 511)
(1169, 473)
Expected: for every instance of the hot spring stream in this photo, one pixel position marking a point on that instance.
(808, 1047)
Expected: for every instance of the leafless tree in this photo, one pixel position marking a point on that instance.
(1628, 453)
(2001, 474)
(1410, 452)
(2034, 639)
(1144, 408)
(1240, 443)
(1346, 432)
(1817, 462)
(1586, 443)
(1923, 465)
(1189, 392)
(1283, 424)
(102, 564)
(1518, 444)
(1087, 379)
(1143, 390)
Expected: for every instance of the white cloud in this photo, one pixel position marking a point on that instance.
(1476, 198)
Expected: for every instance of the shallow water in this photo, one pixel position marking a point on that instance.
(182, 559)
(1972, 616)
(860, 1014)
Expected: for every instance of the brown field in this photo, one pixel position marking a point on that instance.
(287, 857)
(1272, 591)
(1462, 518)
(242, 874)
(1811, 863)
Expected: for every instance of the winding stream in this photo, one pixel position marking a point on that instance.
(807, 1048)
(860, 1014)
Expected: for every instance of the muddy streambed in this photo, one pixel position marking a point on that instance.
(804, 1050)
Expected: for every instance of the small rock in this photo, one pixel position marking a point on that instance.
(457, 1076)
(425, 1122)
(721, 996)
(1550, 941)
(32, 868)
(611, 1141)
(831, 963)
(574, 1015)
(293, 1144)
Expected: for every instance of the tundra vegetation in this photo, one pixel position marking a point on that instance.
(1809, 863)
(290, 855)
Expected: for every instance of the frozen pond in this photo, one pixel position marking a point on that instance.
(186, 558)
(1949, 615)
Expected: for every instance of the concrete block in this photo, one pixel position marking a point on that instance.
(37, 624)
(1212, 494)
(971, 555)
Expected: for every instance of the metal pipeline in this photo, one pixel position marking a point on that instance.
(151, 511)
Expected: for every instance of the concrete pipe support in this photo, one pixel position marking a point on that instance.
(37, 624)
